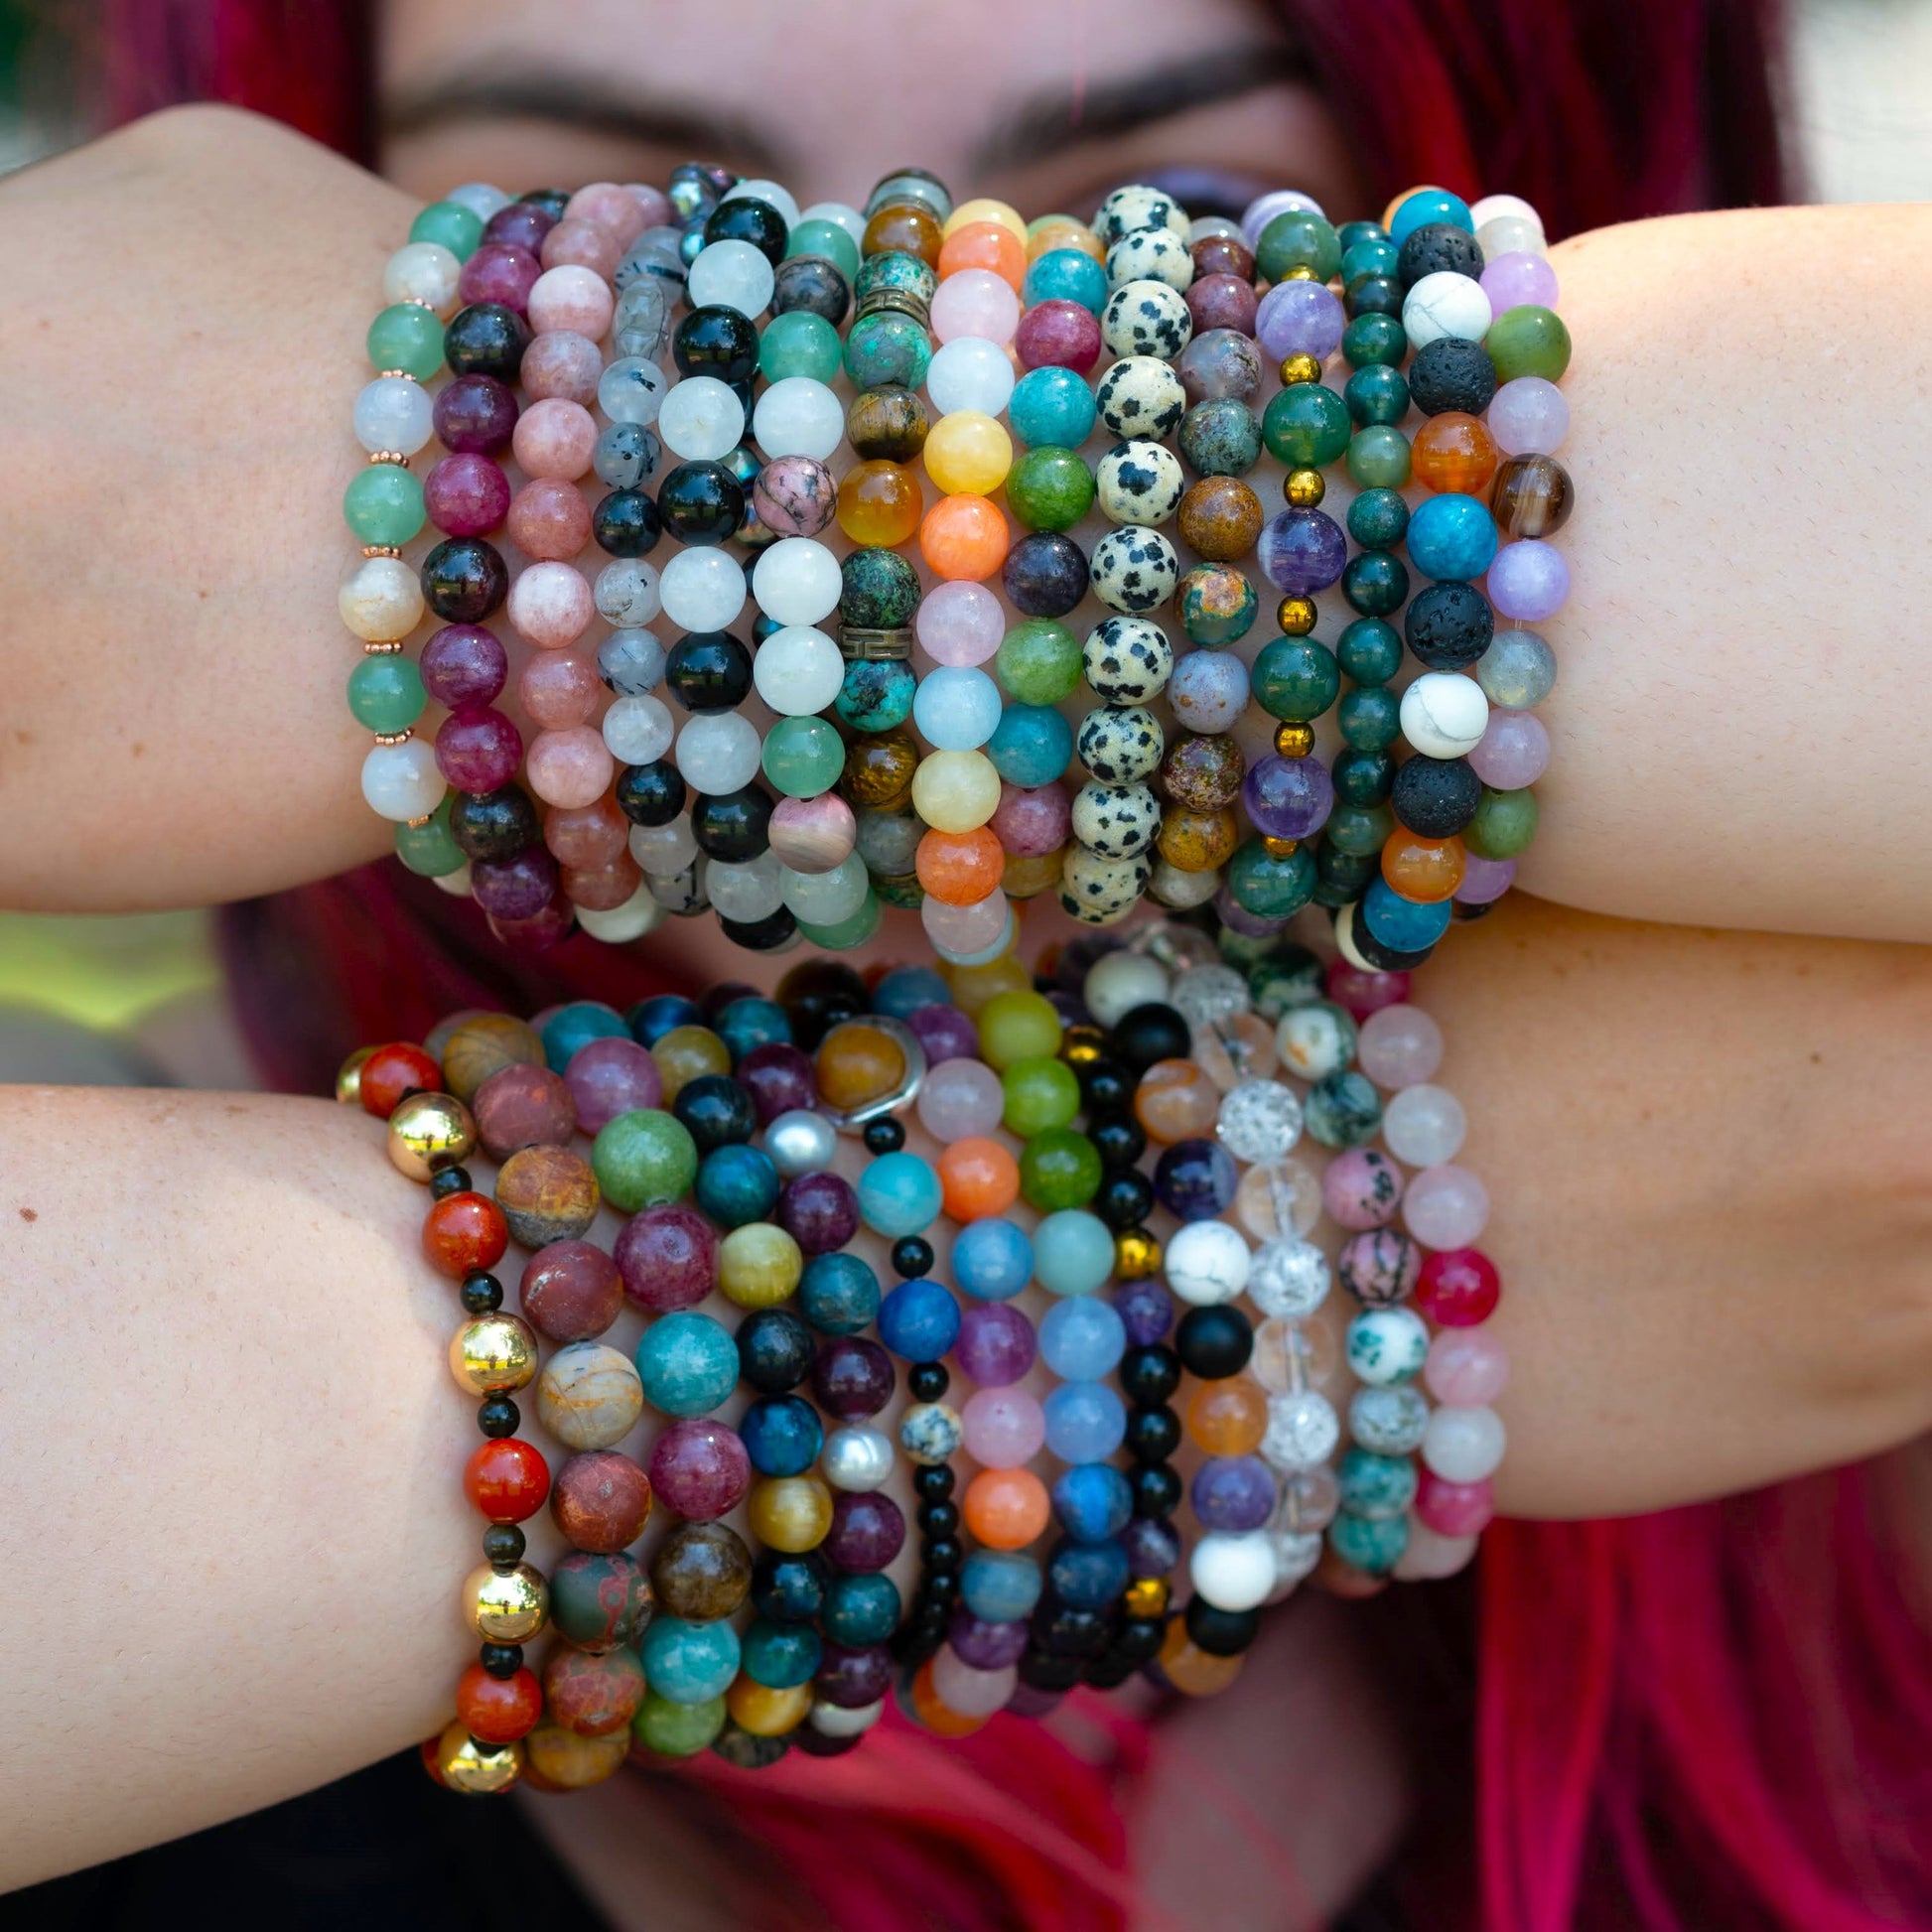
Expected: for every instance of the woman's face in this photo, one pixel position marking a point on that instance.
(1046, 107)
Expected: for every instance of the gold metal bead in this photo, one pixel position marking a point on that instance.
(401, 372)
(1301, 369)
(1294, 741)
(1281, 848)
(1137, 1254)
(348, 1076)
(389, 456)
(465, 1764)
(1304, 488)
(381, 550)
(506, 1605)
(1295, 616)
(396, 737)
(429, 1131)
(1082, 1045)
(495, 1354)
(371, 649)
(1301, 272)
(1147, 1596)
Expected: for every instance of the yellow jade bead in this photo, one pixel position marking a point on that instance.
(1028, 876)
(560, 1760)
(1045, 232)
(767, 1712)
(758, 1265)
(953, 791)
(464, 1764)
(968, 454)
(985, 210)
(973, 985)
(1193, 1671)
(505, 1607)
(684, 1054)
(790, 1513)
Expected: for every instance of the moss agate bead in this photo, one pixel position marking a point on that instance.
(1504, 824)
(1305, 426)
(1271, 887)
(1295, 679)
(1297, 239)
(1377, 395)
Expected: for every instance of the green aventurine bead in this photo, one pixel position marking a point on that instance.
(430, 848)
(385, 692)
(458, 228)
(1375, 339)
(887, 350)
(408, 337)
(1058, 1169)
(1268, 887)
(644, 1158)
(1039, 1094)
(1377, 520)
(1294, 679)
(825, 239)
(803, 757)
(1528, 340)
(1360, 830)
(1039, 661)
(383, 505)
(1376, 394)
(1049, 489)
(1504, 824)
(677, 1729)
(1371, 718)
(1305, 426)
(1296, 241)
(854, 930)
(1369, 650)
(798, 344)
(1378, 458)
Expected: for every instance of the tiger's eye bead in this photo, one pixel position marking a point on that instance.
(790, 1513)
(878, 767)
(1303, 367)
(1304, 488)
(886, 425)
(493, 1354)
(465, 1764)
(1532, 496)
(429, 1131)
(1295, 616)
(1295, 741)
(506, 1605)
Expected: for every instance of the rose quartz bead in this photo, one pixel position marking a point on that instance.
(1513, 753)
(1059, 334)
(478, 751)
(555, 437)
(1528, 416)
(582, 245)
(1428, 1556)
(562, 365)
(812, 835)
(960, 623)
(975, 302)
(1030, 821)
(961, 1100)
(467, 495)
(1468, 1367)
(549, 521)
(1455, 1508)
(1003, 1427)
(587, 836)
(654, 203)
(621, 211)
(1515, 278)
(550, 605)
(570, 768)
(965, 928)
(1484, 880)
(1361, 1187)
(558, 689)
(603, 889)
(1400, 1047)
(501, 272)
(577, 299)
(1446, 1206)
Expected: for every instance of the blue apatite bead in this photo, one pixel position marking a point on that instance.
(1428, 205)
(1085, 1421)
(1031, 745)
(1074, 1253)
(576, 1025)
(992, 1260)
(689, 1663)
(1370, 1543)
(838, 1294)
(780, 1656)
(791, 1588)
(999, 1585)
(1051, 407)
(1065, 275)
(650, 1019)
(1093, 1501)
(688, 1364)
(1375, 1486)
(782, 1435)
(1401, 924)
(750, 1022)
(1082, 1339)
(1451, 537)
(861, 1609)
(1087, 1575)
(919, 1320)
(899, 1194)
(737, 1184)
(906, 989)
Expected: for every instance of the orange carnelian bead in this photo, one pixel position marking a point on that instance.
(964, 539)
(506, 1479)
(1453, 452)
(1006, 1508)
(908, 228)
(880, 503)
(499, 1710)
(985, 244)
(1423, 870)
(391, 1071)
(1228, 1418)
(1177, 1100)
(465, 1232)
(1194, 1671)
(928, 1705)
(857, 1066)
(960, 867)
(978, 1176)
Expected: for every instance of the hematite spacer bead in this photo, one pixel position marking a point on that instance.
(1295, 741)
(501, 1660)
(912, 1256)
(884, 1135)
(1281, 848)
(480, 1294)
(498, 1416)
(1303, 367)
(503, 1543)
(451, 1179)
(1153, 1434)
(897, 301)
(1304, 488)
(1295, 616)
(929, 1381)
(942, 1554)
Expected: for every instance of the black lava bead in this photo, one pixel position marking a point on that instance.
(625, 523)
(733, 826)
(768, 934)
(1150, 1033)
(493, 824)
(1119, 1139)
(1449, 626)
(815, 285)
(1125, 1199)
(1435, 797)
(1044, 575)
(774, 1350)
(716, 1111)
(716, 342)
(709, 670)
(486, 339)
(1221, 1633)
(701, 503)
(465, 580)
(746, 218)
(1436, 247)
(650, 794)
(1214, 1342)
(1149, 1374)
(1452, 373)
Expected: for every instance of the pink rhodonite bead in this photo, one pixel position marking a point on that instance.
(1361, 1187)
(554, 438)
(570, 768)
(549, 520)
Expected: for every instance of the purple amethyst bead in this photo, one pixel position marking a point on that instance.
(867, 1531)
(854, 1678)
(984, 1645)
(996, 1344)
(1287, 798)
(1237, 919)
(820, 1211)
(517, 888)
(852, 1378)
(478, 751)
(1152, 1545)
(1528, 581)
(1300, 319)
(1145, 1307)
(1195, 1179)
(1233, 1493)
(523, 225)
(1302, 551)
(946, 1034)
(779, 1079)
(464, 667)
(1485, 880)
(475, 415)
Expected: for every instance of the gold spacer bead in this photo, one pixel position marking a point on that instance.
(493, 1354)
(1281, 848)
(404, 373)
(380, 550)
(1301, 272)
(396, 737)
(415, 823)
(428, 1131)
(1147, 1596)
(388, 648)
(468, 1764)
(1304, 488)
(506, 1605)
(389, 456)
(1082, 1045)
(1295, 616)
(423, 301)
(1295, 741)
(348, 1076)
(1137, 1254)
(1301, 369)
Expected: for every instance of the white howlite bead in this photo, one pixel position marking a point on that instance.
(1444, 714)
(857, 1456)
(1233, 1571)
(401, 781)
(801, 1142)
(1445, 304)
(633, 391)
(841, 213)
(732, 275)
(748, 891)
(798, 670)
(627, 592)
(1208, 1262)
(840, 1721)
(702, 418)
(826, 898)
(1463, 1444)
(702, 589)
(638, 730)
(637, 916)
(1121, 981)
(970, 372)
(798, 416)
(796, 581)
(380, 598)
(757, 188)
(483, 198)
(1496, 207)
(423, 271)
(1424, 1124)
(1387, 1346)
(717, 751)
(665, 849)
(394, 412)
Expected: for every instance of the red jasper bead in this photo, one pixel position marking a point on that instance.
(465, 1232)
(1459, 1287)
(499, 1710)
(391, 1071)
(506, 1479)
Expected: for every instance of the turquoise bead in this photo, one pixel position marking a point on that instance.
(450, 223)
(1074, 1253)
(1368, 1542)
(1032, 744)
(798, 344)
(1051, 407)
(877, 694)
(644, 1158)
(576, 1025)
(1001, 1585)
(383, 505)
(848, 932)
(1065, 275)
(803, 757)
(689, 1663)
(1268, 887)
(1451, 537)
(1426, 207)
(780, 1656)
(688, 1364)
(1402, 924)
(1375, 1486)
(899, 1194)
(385, 692)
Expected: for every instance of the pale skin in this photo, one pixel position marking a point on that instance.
(225, 1358)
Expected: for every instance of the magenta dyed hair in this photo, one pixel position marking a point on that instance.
(1715, 1717)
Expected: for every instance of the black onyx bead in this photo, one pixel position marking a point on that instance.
(1452, 373)
(1362, 777)
(709, 670)
(701, 503)
(1341, 878)
(716, 1111)
(929, 1381)
(1435, 797)
(1064, 1631)
(1215, 1342)
(760, 936)
(1125, 1199)
(941, 1586)
(552, 201)
(1119, 1139)
(486, 339)
(938, 1519)
(498, 1414)
(650, 794)
(1436, 249)
(1155, 1487)
(716, 342)
(1105, 1085)
(1221, 1633)
(1140, 1638)
(480, 1294)
(445, 1181)
(465, 580)
(884, 1135)
(1150, 1033)
(493, 824)
(933, 1482)
(816, 994)
(942, 1553)
(627, 523)
(912, 1256)
(1148, 1375)
(775, 1350)
(814, 284)
(502, 1659)
(1039, 1671)
(503, 1543)
(1449, 626)
(1152, 1434)
(733, 826)
(746, 218)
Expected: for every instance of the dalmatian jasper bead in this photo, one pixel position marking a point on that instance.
(1182, 892)
(1128, 660)
(1133, 209)
(1116, 821)
(1146, 319)
(682, 891)
(1141, 396)
(1134, 569)
(1120, 744)
(1139, 482)
(1152, 255)
(1098, 890)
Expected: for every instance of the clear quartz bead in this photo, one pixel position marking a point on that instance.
(638, 730)
(749, 890)
(1259, 1121)
(1289, 1279)
(1291, 1356)
(630, 661)
(656, 253)
(664, 851)
(627, 592)
(1425, 1125)
(716, 751)
(1302, 1431)
(1283, 1199)
(633, 391)
(1305, 1500)
(1205, 995)
(642, 319)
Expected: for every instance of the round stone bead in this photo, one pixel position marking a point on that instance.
(1139, 482)
(798, 415)
(1208, 1262)
(1148, 318)
(601, 1500)
(1452, 536)
(1464, 1446)
(1073, 1252)
(970, 372)
(956, 709)
(1387, 1346)
(1141, 396)
(1528, 340)
(1051, 407)
(589, 1396)
(1444, 715)
(1134, 569)
(700, 1468)
(1529, 416)
(1529, 581)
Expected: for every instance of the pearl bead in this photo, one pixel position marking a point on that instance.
(1444, 714)
(1208, 1262)
(1463, 1444)
(857, 1456)
(716, 751)
(1233, 1572)
(801, 1142)
(798, 416)
(798, 672)
(702, 589)
(731, 275)
(401, 781)
(970, 372)
(1121, 981)
(701, 419)
(1445, 304)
